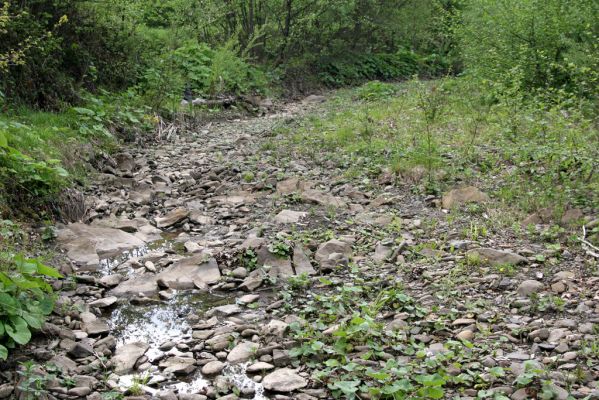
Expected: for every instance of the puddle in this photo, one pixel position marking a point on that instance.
(158, 323)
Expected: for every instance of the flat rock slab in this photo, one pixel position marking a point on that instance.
(172, 218)
(179, 365)
(321, 198)
(86, 244)
(184, 274)
(284, 380)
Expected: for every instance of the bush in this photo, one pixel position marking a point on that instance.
(530, 44)
(25, 181)
(363, 67)
(203, 70)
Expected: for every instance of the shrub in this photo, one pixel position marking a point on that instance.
(362, 67)
(532, 44)
(25, 181)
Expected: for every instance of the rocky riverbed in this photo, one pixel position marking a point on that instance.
(203, 260)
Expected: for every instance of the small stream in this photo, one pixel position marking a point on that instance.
(165, 321)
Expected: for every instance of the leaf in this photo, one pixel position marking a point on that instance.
(3, 352)
(84, 111)
(19, 330)
(3, 141)
(48, 271)
(8, 303)
(34, 321)
(347, 387)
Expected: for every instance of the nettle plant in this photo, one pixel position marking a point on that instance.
(25, 299)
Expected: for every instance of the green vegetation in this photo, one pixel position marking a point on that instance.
(443, 132)
(502, 95)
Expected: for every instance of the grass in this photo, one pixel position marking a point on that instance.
(51, 136)
(527, 156)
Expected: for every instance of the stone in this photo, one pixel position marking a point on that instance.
(126, 356)
(226, 310)
(80, 350)
(279, 266)
(182, 274)
(326, 250)
(6, 390)
(289, 217)
(284, 380)
(110, 280)
(529, 287)
(104, 302)
(80, 391)
(463, 321)
(144, 285)
(178, 365)
(248, 298)
(301, 261)
(213, 367)
(63, 363)
(466, 334)
(321, 198)
(96, 327)
(86, 244)
(571, 216)
(242, 352)
(497, 257)
(259, 366)
(172, 218)
(462, 196)
(275, 328)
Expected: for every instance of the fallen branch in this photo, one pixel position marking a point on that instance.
(586, 244)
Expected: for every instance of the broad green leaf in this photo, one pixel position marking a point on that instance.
(34, 321)
(8, 303)
(17, 329)
(3, 352)
(48, 271)
(347, 387)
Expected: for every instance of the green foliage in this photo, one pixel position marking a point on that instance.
(24, 180)
(25, 299)
(206, 71)
(530, 44)
(376, 90)
(528, 154)
(61, 47)
(361, 67)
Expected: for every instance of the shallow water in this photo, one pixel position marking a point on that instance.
(161, 322)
